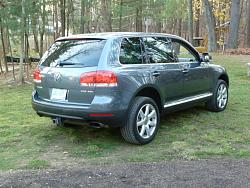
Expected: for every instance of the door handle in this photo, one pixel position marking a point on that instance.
(155, 73)
(185, 70)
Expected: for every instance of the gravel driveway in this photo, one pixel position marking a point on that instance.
(201, 173)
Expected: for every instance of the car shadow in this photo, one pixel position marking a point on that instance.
(185, 113)
(81, 132)
(85, 131)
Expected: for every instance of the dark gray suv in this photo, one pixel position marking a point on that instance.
(125, 80)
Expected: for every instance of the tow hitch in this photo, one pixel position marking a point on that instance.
(58, 121)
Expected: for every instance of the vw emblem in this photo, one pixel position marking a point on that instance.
(57, 76)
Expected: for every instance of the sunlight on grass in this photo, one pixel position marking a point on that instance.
(29, 141)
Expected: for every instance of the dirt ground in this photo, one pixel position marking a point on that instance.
(8, 78)
(201, 173)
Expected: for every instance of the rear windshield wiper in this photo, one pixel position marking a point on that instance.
(62, 63)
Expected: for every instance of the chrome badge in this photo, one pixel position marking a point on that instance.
(57, 76)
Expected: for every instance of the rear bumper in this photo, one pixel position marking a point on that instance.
(113, 117)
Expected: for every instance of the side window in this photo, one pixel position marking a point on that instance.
(130, 52)
(159, 50)
(182, 53)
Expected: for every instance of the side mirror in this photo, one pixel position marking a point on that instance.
(206, 57)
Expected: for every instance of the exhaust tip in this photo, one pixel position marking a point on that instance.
(97, 125)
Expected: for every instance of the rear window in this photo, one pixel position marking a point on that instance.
(73, 52)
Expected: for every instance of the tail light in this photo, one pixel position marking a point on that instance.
(99, 79)
(37, 76)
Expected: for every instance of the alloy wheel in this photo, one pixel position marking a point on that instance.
(222, 96)
(146, 121)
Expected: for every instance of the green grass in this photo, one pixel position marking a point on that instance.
(37, 164)
(28, 141)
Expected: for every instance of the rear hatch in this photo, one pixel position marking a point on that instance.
(58, 77)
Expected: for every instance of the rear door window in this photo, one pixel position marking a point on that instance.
(182, 52)
(159, 50)
(74, 52)
(131, 51)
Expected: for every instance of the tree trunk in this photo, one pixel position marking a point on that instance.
(72, 21)
(69, 10)
(1, 68)
(62, 11)
(179, 30)
(234, 25)
(11, 55)
(3, 45)
(210, 24)
(56, 18)
(248, 25)
(106, 15)
(67, 28)
(27, 59)
(109, 17)
(82, 16)
(42, 29)
(34, 29)
(35, 35)
(88, 14)
(158, 27)
(190, 21)
(21, 76)
(197, 30)
(120, 16)
(138, 20)
(53, 20)
(197, 25)
(27, 47)
(173, 26)
(169, 25)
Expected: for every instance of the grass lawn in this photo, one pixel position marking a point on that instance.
(28, 141)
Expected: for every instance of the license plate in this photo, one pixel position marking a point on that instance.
(58, 94)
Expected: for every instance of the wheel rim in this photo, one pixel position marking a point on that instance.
(146, 121)
(222, 96)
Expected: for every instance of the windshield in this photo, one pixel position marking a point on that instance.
(73, 52)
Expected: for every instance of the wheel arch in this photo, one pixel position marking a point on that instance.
(225, 78)
(151, 92)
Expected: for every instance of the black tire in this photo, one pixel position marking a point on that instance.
(212, 104)
(130, 131)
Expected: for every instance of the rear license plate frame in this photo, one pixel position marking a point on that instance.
(58, 94)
